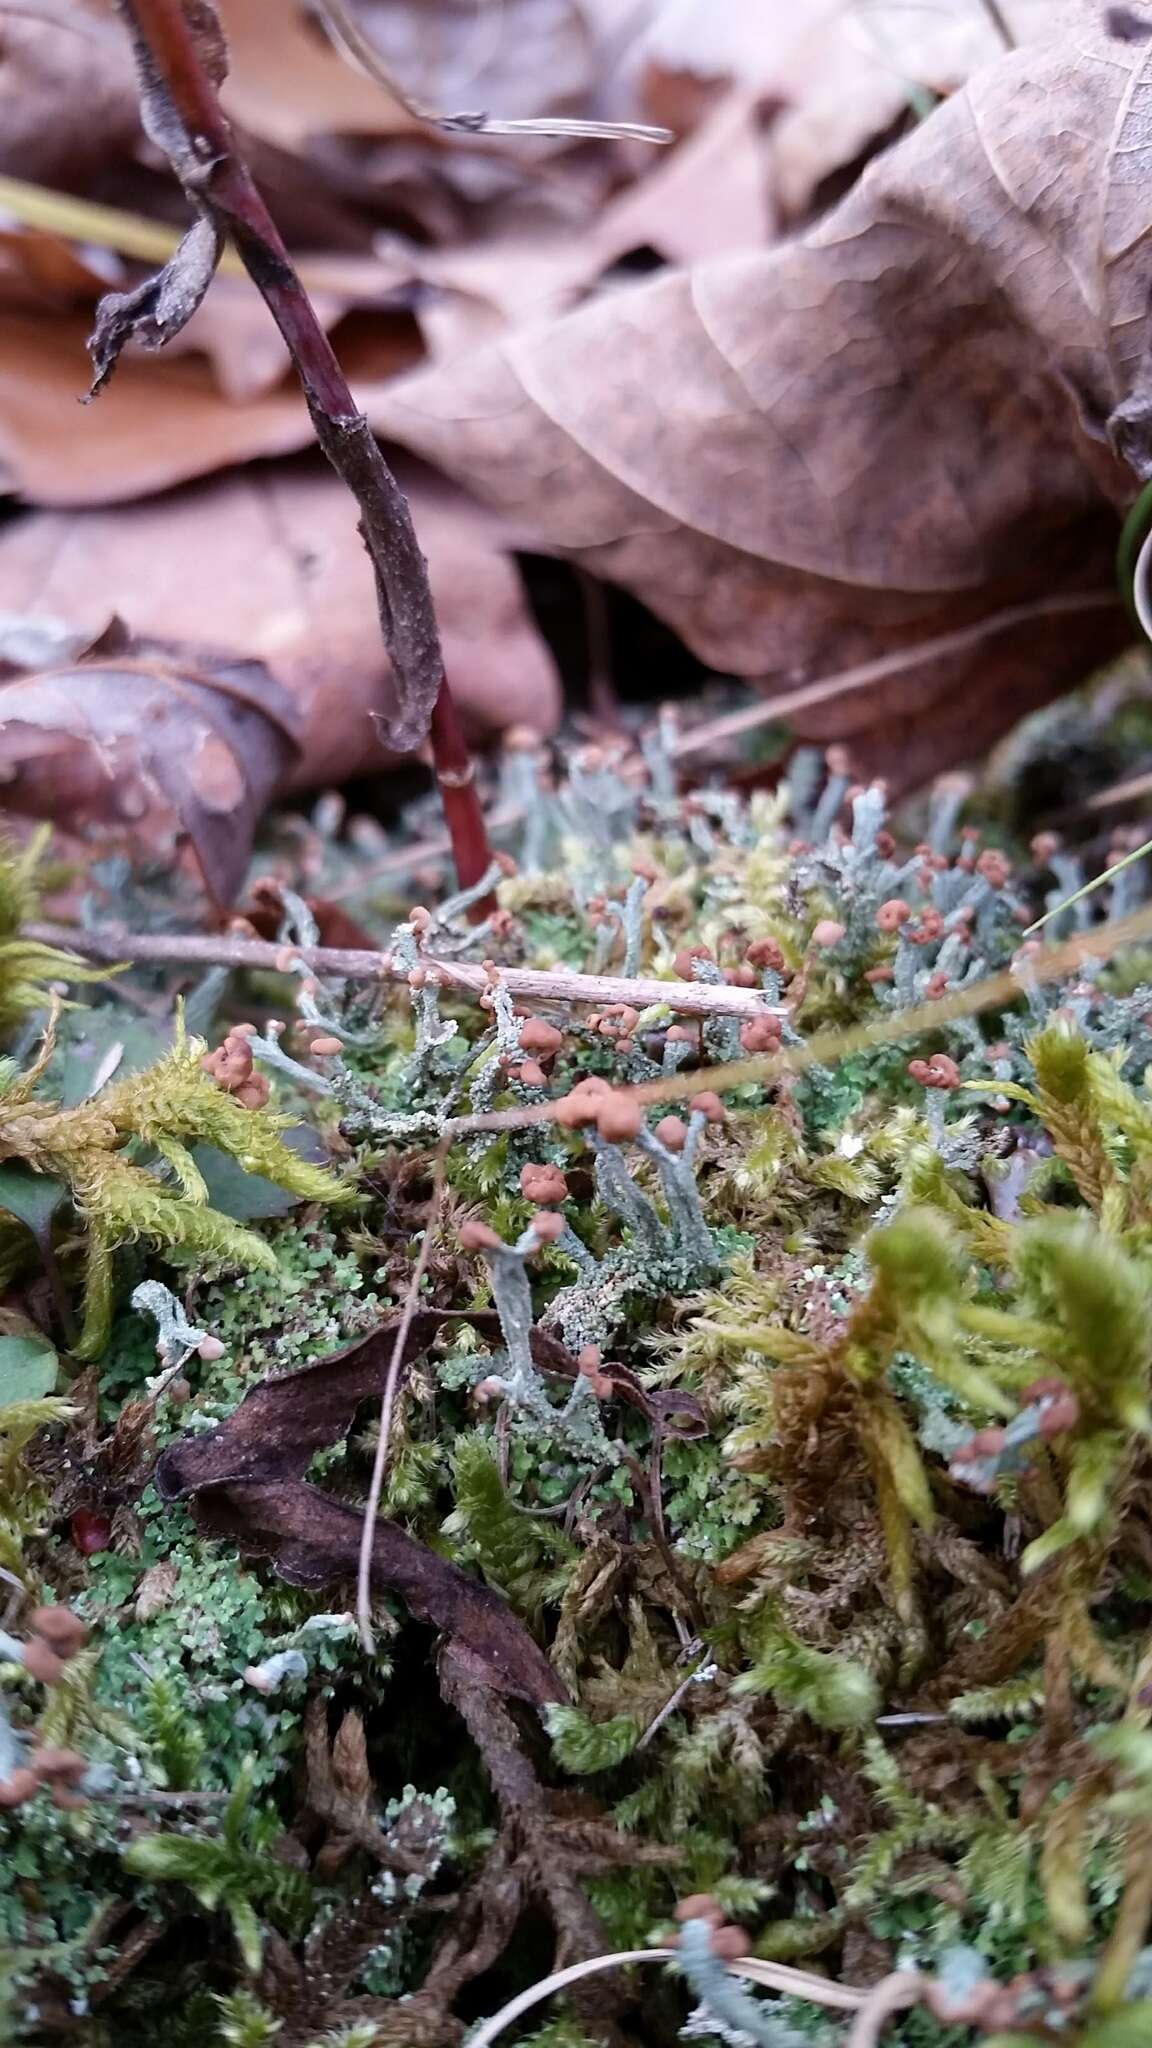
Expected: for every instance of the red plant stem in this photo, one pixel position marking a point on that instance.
(219, 181)
(456, 781)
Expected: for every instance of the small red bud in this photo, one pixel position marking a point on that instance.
(90, 1531)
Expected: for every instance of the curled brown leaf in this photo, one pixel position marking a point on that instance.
(246, 1482)
(130, 732)
(923, 414)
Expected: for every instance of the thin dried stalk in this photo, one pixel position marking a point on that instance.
(865, 675)
(459, 977)
(352, 41)
(825, 1048)
(180, 100)
(388, 1405)
(773, 1976)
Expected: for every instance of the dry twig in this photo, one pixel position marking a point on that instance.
(457, 977)
(182, 112)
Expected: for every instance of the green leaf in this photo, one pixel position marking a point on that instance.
(28, 1369)
(249, 1936)
(175, 1859)
(580, 1744)
(87, 1042)
(248, 1197)
(33, 1198)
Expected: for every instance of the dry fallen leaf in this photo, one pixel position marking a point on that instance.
(288, 85)
(708, 195)
(67, 94)
(162, 419)
(522, 58)
(267, 564)
(246, 1480)
(902, 426)
(156, 424)
(133, 730)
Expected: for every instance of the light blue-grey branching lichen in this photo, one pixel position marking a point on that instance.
(575, 1428)
(902, 1298)
(726, 2010)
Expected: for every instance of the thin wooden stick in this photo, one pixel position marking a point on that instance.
(388, 1404)
(462, 977)
(352, 41)
(180, 101)
(772, 1976)
(830, 689)
(826, 1048)
(1000, 23)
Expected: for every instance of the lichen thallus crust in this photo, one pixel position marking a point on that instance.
(802, 1421)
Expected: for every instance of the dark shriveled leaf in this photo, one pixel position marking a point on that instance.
(909, 422)
(246, 1482)
(136, 731)
(156, 310)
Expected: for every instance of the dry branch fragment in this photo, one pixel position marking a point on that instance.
(689, 998)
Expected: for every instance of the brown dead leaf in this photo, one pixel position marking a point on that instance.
(158, 423)
(156, 1590)
(268, 565)
(288, 85)
(67, 94)
(522, 58)
(839, 74)
(843, 77)
(41, 271)
(895, 428)
(162, 419)
(710, 194)
(246, 1482)
(134, 730)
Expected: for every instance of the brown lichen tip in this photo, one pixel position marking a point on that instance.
(682, 964)
(65, 1766)
(730, 1943)
(548, 1226)
(938, 1072)
(995, 867)
(538, 1036)
(927, 927)
(588, 1363)
(672, 1132)
(522, 739)
(42, 1663)
(761, 1034)
(987, 1443)
(544, 1184)
(618, 1118)
(700, 1906)
(767, 953)
(892, 915)
(826, 934)
(708, 1104)
(581, 1103)
(21, 1786)
(475, 1236)
(1059, 1405)
(230, 1065)
(63, 1631)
